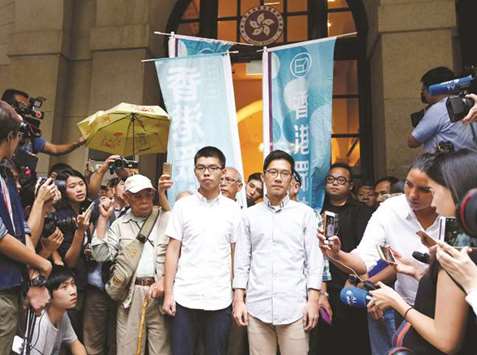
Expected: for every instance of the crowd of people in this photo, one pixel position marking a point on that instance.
(90, 265)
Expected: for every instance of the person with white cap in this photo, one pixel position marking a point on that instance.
(147, 284)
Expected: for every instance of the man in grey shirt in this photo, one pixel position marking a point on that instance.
(436, 127)
(279, 265)
(53, 328)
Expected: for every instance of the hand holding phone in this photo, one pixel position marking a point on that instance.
(386, 254)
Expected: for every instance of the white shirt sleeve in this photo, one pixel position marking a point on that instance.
(374, 235)
(243, 255)
(313, 255)
(175, 227)
(471, 299)
(236, 227)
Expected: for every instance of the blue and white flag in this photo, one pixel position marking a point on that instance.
(199, 97)
(183, 46)
(297, 104)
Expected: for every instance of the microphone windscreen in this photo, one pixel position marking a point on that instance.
(354, 297)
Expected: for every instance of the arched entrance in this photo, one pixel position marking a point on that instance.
(302, 20)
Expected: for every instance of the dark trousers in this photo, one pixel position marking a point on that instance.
(190, 325)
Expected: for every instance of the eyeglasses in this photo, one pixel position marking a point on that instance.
(285, 174)
(228, 180)
(211, 168)
(341, 180)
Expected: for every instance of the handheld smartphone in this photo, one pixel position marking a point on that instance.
(167, 169)
(426, 239)
(448, 230)
(330, 224)
(385, 253)
(89, 209)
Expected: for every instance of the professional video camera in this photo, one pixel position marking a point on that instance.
(458, 105)
(122, 163)
(52, 221)
(32, 116)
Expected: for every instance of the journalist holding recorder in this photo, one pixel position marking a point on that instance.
(440, 320)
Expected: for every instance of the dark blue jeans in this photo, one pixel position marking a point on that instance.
(190, 325)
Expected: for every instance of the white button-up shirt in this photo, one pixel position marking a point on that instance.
(277, 259)
(395, 224)
(206, 229)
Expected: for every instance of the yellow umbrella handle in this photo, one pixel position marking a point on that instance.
(142, 326)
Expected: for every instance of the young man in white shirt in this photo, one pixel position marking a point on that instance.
(53, 328)
(279, 265)
(202, 232)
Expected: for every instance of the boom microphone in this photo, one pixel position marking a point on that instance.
(450, 86)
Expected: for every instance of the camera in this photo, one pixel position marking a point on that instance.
(122, 163)
(458, 106)
(31, 114)
(67, 224)
(416, 117)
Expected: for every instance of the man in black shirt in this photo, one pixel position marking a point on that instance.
(347, 333)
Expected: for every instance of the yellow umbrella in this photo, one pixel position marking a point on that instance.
(127, 129)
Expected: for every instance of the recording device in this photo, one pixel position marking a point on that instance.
(122, 163)
(458, 105)
(67, 224)
(325, 316)
(355, 297)
(422, 257)
(330, 224)
(385, 253)
(466, 213)
(448, 230)
(167, 169)
(32, 116)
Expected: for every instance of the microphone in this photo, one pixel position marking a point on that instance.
(450, 86)
(354, 297)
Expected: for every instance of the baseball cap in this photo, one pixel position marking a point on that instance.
(137, 183)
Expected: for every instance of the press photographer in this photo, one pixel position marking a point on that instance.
(32, 142)
(433, 126)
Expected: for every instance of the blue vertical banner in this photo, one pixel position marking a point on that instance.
(183, 46)
(199, 97)
(297, 110)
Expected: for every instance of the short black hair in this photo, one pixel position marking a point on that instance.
(391, 179)
(255, 176)
(342, 166)
(59, 168)
(278, 155)
(437, 75)
(210, 152)
(9, 95)
(8, 120)
(58, 275)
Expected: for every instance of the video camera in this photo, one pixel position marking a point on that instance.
(32, 116)
(458, 105)
(122, 163)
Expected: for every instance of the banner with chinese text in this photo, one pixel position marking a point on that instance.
(199, 97)
(297, 107)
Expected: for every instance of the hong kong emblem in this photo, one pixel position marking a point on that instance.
(261, 25)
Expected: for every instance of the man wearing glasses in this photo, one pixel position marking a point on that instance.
(202, 233)
(353, 218)
(279, 265)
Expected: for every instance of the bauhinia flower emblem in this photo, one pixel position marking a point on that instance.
(261, 25)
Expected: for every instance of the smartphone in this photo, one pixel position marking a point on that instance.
(89, 209)
(167, 169)
(325, 316)
(17, 346)
(448, 230)
(330, 224)
(426, 239)
(385, 253)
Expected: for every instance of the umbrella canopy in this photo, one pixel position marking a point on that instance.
(127, 129)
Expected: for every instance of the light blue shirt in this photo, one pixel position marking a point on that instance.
(436, 127)
(277, 260)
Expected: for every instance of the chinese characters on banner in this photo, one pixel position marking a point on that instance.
(297, 102)
(199, 98)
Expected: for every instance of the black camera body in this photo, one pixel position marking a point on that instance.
(122, 163)
(458, 106)
(67, 224)
(32, 116)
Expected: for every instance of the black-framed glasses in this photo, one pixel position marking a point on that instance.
(285, 174)
(341, 180)
(211, 168)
